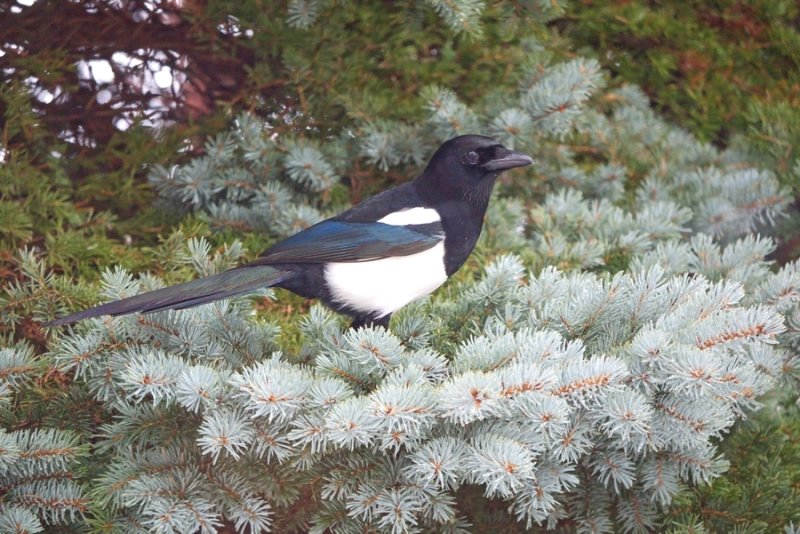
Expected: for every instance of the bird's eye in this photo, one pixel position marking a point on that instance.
(472, 157)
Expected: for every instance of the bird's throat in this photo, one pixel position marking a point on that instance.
(478, 197)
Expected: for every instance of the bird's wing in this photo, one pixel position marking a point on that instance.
(345, 241)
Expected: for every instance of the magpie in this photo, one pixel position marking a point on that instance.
(371, 260)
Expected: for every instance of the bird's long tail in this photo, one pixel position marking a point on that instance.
(236, 281)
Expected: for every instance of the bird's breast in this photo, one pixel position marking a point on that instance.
(381, 287)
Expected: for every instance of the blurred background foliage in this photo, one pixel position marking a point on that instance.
(728, 70)
(720, 68)
(86, 116)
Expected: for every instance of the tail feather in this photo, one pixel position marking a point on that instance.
(237, 281)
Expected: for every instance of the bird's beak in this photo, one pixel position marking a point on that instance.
(507, 159)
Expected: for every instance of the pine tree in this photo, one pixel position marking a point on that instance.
(619, 316)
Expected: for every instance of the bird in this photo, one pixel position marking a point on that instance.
(371, 260)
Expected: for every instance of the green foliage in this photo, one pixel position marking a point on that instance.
(583, 383)
(708, 65)
(760, 491)
(372, 413)
(575, 397)
(251, 182)
(85, 224)
(35, 210)
(392, 54)
(727, 70)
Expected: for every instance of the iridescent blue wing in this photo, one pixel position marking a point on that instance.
(344, 241)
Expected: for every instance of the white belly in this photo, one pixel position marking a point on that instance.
(384, 286)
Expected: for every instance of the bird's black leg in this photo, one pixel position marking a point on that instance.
(361, 321)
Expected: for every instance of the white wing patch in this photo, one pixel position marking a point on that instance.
(411, 216)
(386, 285)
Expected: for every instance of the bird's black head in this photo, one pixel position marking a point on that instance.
(465, 167)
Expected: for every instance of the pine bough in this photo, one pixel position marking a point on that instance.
(579, 391)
